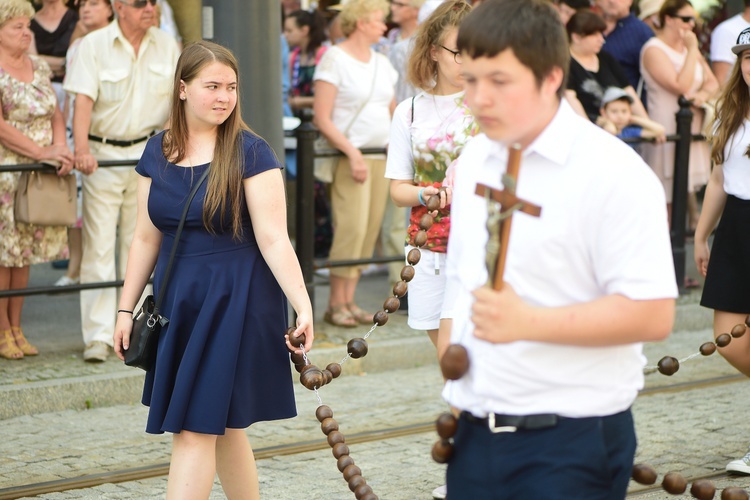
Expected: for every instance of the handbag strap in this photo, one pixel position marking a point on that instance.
(177, 240)
(364, 103)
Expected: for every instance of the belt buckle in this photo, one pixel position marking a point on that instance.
(497, 430)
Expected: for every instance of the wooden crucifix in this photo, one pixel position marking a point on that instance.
(501, 205)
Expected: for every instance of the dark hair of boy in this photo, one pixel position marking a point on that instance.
(530, 28)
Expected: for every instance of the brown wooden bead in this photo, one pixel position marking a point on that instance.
(335, 437)
(442, 451)
(351, 470)
(703, 489)
(308, 367)
(723, 340)
(433, 203)
(312, 378)
(455, 362)
(340, 449)
(643, 474)
(357, 348)
(369, 496)
(426, 222)
(407, 273)
(668, 365)
(363, 491)
(747, 320)
(323, 412)
(334, 368)
(328, 376)
(380, 318)
(297, 341)
(734, 493)
(297, 358)
(328, 425)
(674, 483)
(343, 462)
(738, 331)
(708, 348)
(413, 256)
(420, 238)
(355, 482)
(446, 425)
(400, 289)
(391, 304)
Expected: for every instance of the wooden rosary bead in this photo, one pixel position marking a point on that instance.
(363, 491)
(400, 289)
(426, 222)
(380, 318)
(351, 470)
(357, 348)
(355, 482)
(738, 331)
(643, 474)
(420, 238)
(455, 362)
(334, 368)
(297, 341)
(734, 493)
(674, 483)
(312, 378)
(723, 340)
(668, 365)
(446, 425)
(344, 461)
(413, 256)
(328, 425)
(391, 304)
(433, 203)
(703, 489)
(308, 367)
(747, 320)
(407, 273)
(328, 376)
(323, 412)
(335, 437)
(708, 348)
(442, 451)
(369, 496)
(340, 449)
(297, 358)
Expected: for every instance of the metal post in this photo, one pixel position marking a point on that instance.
(684, 119)
(305, 238)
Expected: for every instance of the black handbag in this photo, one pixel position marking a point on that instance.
(147, 322)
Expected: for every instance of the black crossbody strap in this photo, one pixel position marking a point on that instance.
(177, 240)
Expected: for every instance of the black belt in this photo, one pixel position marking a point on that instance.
(115, 142)
(512, 423)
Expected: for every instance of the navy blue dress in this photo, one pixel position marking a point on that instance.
(221, 361)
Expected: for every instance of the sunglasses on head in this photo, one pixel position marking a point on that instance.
(140, 4)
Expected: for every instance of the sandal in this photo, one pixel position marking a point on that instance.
(340, 316)
(26, 348)
(362, 316)
(8, 347)
(691, 283)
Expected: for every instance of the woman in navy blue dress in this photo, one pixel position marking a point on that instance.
(222, 362)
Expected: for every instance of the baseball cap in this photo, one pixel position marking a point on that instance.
(743, 41)
(615, 93)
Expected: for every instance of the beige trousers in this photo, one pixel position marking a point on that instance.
(357, 213)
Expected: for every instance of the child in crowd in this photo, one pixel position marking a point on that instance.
(618, 119)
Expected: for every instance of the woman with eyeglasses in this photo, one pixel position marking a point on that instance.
(428, 133)
(672, 65)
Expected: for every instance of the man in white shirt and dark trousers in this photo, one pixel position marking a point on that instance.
(555, 356)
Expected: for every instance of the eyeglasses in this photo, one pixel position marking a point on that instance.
(400, 4)
(685, 19)
(456, 54)
(140, 4)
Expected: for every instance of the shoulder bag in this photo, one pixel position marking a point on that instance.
(46, 199)
(147, 322)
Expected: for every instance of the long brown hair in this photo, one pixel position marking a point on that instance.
(422, 68)
(224, 187)
(732, 108)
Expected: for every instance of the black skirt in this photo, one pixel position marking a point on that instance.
(728, 274)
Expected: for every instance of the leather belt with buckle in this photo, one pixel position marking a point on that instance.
(511, 423)
(118, 143)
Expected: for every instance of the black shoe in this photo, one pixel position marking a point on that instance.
(60, 264)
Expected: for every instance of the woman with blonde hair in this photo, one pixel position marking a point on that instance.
(221, 363)
(428, 133)
(354, 99)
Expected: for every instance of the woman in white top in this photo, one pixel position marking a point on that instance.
(353, 103)
(428, 133)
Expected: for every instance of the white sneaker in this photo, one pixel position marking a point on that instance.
(741, 465)
(65, 281)
(440, 492)
(96, 352)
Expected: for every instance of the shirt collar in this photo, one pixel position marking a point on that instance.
(116, 34)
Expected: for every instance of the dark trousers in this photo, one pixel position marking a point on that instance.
(579, 458)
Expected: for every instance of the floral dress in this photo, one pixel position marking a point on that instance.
(29, 108)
